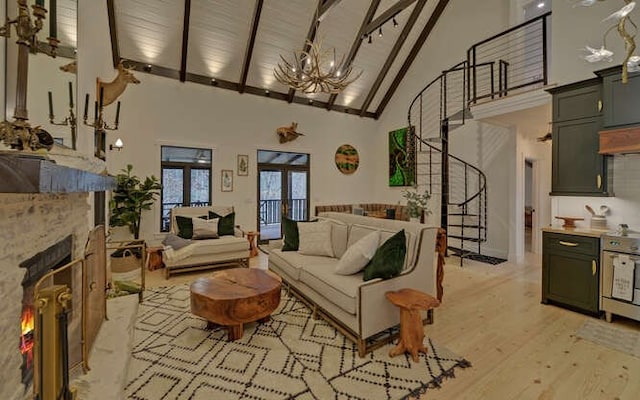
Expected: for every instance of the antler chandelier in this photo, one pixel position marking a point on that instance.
(631, 62)
(315, 70)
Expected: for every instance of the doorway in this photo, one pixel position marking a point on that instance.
(529, 209)
(283, 189)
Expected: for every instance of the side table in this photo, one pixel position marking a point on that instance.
(154, 258)
(252, 236)
(410, 302)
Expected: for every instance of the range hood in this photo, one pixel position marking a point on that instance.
(620, 141)
(27, 173)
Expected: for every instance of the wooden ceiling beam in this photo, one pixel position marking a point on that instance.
(356, 45)
(387, 15)
(437, 12)
(185, 40)
(393, 54)
(326, 6)
(115, 49)
(224, 84)
(311, 35)
(252, 40)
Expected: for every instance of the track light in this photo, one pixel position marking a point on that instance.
(369, 39)
(380, 31)
(147, 68)
(395, 23)
(214, 82)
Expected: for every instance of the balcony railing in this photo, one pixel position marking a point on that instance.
(509, 61)
(271, 211)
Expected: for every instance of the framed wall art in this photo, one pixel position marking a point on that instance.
(226, 180)
(402, 171)
(243, 165)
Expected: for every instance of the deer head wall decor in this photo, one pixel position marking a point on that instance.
(112, 90)
(288, 133)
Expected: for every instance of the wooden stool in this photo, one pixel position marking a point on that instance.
(410, 302)
(253, 248)
(154, 258)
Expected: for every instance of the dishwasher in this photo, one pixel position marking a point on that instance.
(620, 276)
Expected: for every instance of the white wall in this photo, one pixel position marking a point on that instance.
(574, 27)
(165, 111)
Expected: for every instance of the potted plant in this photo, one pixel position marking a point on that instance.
(130, 197)
(416, 203)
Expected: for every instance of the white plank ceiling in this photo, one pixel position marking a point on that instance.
(151, 32)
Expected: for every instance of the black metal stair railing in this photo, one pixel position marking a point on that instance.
(501, 65)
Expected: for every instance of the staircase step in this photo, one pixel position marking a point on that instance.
(465, 238)
(465, 113)
(463, 215)
(453, 127)
(467, 226)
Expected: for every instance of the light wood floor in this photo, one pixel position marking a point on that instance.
(519, 348)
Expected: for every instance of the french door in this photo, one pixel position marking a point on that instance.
(283, 189)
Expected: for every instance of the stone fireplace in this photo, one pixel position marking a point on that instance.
(31, 224)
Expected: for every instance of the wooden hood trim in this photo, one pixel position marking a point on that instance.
(620, 141)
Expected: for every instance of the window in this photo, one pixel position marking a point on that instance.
(186, 179)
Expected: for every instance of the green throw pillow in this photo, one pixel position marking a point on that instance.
(226, 224)
(389, 258)
(290, 232)
(185, 226)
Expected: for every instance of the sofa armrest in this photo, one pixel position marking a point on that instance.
(375, 312)
(238, 231)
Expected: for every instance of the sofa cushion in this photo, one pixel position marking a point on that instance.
(315, 238)
(185, 226)
(291, 239)
(291, 262)
(358, 256)
(223, 244)
(389, 258)
(175, 241)
(339, 236)
(341, 290)
(205, 229)
(226, 223)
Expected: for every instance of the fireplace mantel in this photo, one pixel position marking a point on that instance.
(26, 173)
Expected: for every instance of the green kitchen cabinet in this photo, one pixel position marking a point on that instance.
(577, 100)
(620, 100)
(577, 168)
(570, 271)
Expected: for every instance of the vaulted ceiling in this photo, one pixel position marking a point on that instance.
(236, 44)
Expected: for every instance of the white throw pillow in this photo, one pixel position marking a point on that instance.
(205, 228)
(315, 238)
(358, 255)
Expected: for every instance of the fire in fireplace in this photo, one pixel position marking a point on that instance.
(36, 267)
(27, 325)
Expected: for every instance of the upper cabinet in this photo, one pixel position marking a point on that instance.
(577, 167)
(578, 100)
(620, 99)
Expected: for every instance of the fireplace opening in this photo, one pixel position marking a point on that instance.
(36, 267)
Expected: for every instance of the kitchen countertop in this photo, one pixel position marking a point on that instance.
(596, 233)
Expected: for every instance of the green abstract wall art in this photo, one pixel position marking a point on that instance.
(401, 169)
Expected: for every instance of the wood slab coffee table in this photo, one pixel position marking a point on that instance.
(234, 297)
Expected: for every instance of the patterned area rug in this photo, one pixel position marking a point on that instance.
(290, 357)
(615, 337)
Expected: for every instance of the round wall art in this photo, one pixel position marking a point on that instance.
(347, 159)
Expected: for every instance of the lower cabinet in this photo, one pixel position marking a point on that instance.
(570, 271)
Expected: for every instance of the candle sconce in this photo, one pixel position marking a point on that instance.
(99, 124)
(69, 120)
(18, 134)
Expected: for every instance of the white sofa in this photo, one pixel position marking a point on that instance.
(360, 309)
(227, 250)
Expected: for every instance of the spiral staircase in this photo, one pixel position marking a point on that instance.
(510, 62)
